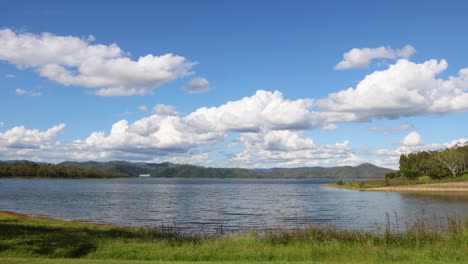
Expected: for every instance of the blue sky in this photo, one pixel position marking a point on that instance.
(74, 86)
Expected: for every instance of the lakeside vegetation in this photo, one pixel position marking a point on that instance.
(446, 163)
(37, 240)
(27, 169)
(423, 167)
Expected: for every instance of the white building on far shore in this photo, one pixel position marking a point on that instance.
(144, 176)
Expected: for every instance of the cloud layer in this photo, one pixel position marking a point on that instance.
(74, 61)
(264, 129)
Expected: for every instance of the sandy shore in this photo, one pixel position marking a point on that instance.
(435, 187)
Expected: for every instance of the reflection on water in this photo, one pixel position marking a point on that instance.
(444, 196)
(204, 205)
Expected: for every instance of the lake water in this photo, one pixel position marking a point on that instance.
(206, 205)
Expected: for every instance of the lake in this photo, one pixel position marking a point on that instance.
(207, 205)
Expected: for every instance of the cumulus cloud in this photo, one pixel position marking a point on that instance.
(359, 58)
(167, 131)
(197, 85)
(20, 137)
(404, 89)
(201, 159)
(74, 61)
(269, 128)
(412, 139)
(151, 135)
(264, 110)
(286, 149)
(24, 92)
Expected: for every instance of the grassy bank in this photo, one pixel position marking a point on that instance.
(37, 240)
(398, 182)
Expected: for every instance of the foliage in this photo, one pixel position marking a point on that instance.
(450, 162)
(397, 181)
(31, 169)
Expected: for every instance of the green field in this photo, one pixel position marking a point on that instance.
(36, 240)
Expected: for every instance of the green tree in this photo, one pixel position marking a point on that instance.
(452, 159)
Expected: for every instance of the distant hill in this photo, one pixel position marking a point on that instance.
(171, 170)
(365, 170)
(21, 161)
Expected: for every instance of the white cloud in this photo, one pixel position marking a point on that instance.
(202, 159)
(1, 124)
(412, 139)
(74, 61)
(166, 133)
(405, 52)
(264, 110)
(286, 149)
(279, 140)
(359, 58)
(151, 135)
(24, 92)
(143, 108)
(271, 131)
(20, 137)
(404, 89)
(392, 130)
(164, 110)
(9, 75)
(197, 85)
(166, 130)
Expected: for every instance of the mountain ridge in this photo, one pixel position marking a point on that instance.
(172, 170)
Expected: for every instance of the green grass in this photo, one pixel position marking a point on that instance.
(35, 240)
(360, 185)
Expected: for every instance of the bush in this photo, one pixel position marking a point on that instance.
(391, 175)
(410, 174)
(425, 179)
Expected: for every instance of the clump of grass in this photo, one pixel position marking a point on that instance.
(422, 241)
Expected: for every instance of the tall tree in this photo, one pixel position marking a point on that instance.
(452, 159)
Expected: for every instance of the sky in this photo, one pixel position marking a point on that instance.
(250, 84)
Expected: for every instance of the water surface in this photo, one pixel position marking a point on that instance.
(206, 205)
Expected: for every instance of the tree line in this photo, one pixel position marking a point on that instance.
(34, 170)
(450, 162)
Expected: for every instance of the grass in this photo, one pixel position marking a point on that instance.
(361, 185)
(37, 240)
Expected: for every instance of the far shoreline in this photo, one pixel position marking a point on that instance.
(454, 188)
